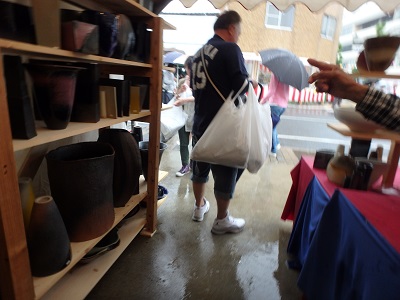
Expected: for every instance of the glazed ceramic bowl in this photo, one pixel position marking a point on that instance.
(379, 169)
(380, 52)
(362, 63)
(347, 114)
(339, 168)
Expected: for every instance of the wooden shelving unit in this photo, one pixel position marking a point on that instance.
(60, 283)
(76, 280)
(394, 152)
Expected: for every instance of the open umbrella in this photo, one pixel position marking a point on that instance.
(181, 59)
(171, 56)
(286, 66)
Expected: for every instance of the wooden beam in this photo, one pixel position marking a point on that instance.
(15, 274)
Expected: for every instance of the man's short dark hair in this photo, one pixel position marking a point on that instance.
(226, 19)
(189, 62)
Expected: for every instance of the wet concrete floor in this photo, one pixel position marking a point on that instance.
(184, 260)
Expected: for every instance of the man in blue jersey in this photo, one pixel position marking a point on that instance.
(226, 68)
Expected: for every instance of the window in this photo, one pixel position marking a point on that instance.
(328, 27)
(347, 29)
(277, 19)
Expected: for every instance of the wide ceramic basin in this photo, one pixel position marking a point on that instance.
(347, 114)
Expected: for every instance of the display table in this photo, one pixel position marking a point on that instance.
(346, 242)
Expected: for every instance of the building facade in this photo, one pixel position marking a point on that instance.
(299, 30)
(305, 33)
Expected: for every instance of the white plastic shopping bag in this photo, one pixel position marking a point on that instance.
(226, 140)
(261, 132)
(172, 119)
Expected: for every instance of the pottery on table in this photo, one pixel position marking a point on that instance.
(340, 167)
(380, 52)
(322, 158)
(379, 169)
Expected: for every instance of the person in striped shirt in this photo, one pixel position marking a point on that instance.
(373, 104)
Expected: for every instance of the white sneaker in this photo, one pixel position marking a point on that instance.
(278, 147)
(199, 212)
(228, 225)
(272, 154)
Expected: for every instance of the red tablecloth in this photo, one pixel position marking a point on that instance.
(382, 211)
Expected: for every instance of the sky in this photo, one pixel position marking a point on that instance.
(194, 25)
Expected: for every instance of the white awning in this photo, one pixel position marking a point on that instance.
(313, 5)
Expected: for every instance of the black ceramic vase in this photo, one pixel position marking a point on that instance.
(47, 238)
(144, 153)
(54, 91)
(20, 107)
(127, 164)
(108, 29)
(81, 180)
(137, 133)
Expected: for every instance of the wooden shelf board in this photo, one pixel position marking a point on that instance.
(74, 128)
(44, 284)
(129, 7)
(77, 283)
(168, 26)
(377, 134)
(375, 75)
(12, 47)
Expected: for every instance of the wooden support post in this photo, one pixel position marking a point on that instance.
(15, 274)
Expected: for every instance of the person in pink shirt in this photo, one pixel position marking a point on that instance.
(277, 97)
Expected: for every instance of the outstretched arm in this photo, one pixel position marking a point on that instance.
(373, 104)
(331, 79)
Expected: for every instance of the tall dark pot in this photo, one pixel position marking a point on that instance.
(47, 238)
(81, 180)
(144, 152)
(54, 91)
(127, 164)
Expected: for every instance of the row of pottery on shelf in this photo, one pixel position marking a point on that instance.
(88, 31)
(87, 180)
(62, 92)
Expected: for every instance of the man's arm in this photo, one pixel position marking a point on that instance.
(373, 104)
